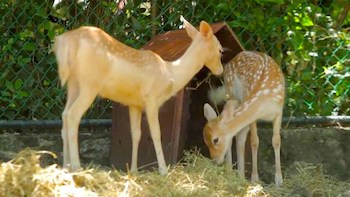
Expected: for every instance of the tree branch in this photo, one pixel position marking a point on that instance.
(342, 16)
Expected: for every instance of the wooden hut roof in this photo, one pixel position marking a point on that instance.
(172, 44)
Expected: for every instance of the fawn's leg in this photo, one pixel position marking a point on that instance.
(153, 122)
(135, 114)
(72, 93)
(228, 156)
(254, 143)
(73, 116)
(276, 142)
(241, 138)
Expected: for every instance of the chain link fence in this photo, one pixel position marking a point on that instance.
(309, 39)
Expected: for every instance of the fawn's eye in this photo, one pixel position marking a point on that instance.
(215, 141)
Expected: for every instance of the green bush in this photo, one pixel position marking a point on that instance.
(310, 40)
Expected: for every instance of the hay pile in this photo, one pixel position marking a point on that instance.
(195, 176)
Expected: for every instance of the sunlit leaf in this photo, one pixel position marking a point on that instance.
(306, 21)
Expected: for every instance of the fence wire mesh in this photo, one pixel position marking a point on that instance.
(309, 39)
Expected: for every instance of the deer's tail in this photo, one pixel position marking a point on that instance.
(217, 95)
(63, 57)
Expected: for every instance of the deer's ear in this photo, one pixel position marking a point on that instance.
(191, 31)
(209, 112)
(229, 110)
(206, 30)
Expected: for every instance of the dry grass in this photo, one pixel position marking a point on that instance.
(195, 176)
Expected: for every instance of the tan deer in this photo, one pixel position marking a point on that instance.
(255, 86)
(92, 63)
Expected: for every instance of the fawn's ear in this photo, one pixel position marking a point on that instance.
(229, 110)
(209, 112)
(206, 30)
(191, 31)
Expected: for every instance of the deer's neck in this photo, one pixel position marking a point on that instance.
(244, 115)
(188, 65)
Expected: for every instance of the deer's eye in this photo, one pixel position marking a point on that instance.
(215, 141)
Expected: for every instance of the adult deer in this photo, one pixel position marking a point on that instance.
(92, 63)
(254, 83)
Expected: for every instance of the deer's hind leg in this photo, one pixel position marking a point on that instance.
(73, 114)
(276, 143)
(72, 93)
(254, 143)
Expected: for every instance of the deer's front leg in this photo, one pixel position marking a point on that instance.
(241, 138)
(153, 122)
(228, 155)
(135, 114)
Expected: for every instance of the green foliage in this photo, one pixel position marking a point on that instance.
(309, 40)
(317, 59)
(26, 64)
(302, 37)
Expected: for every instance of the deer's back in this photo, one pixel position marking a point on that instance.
(253, 74)
(117, 71)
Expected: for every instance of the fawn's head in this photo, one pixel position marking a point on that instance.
(216, 133)
(212, 50)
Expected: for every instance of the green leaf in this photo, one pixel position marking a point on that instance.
(18, 84)
(46, 83)
(10, 41)
(9, 86)
(236, 13)
(258, 14)
(39, 11)
(51, 34)
(46, 25)
(22, 60)
(135, 23)
(29, 46)
(222, 6)
(5, 94)
(4, 99)
(306, 21)
(22, 94)
(12, 105)
(270, 1)
(237, 24)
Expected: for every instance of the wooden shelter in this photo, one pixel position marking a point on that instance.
(181, 118)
